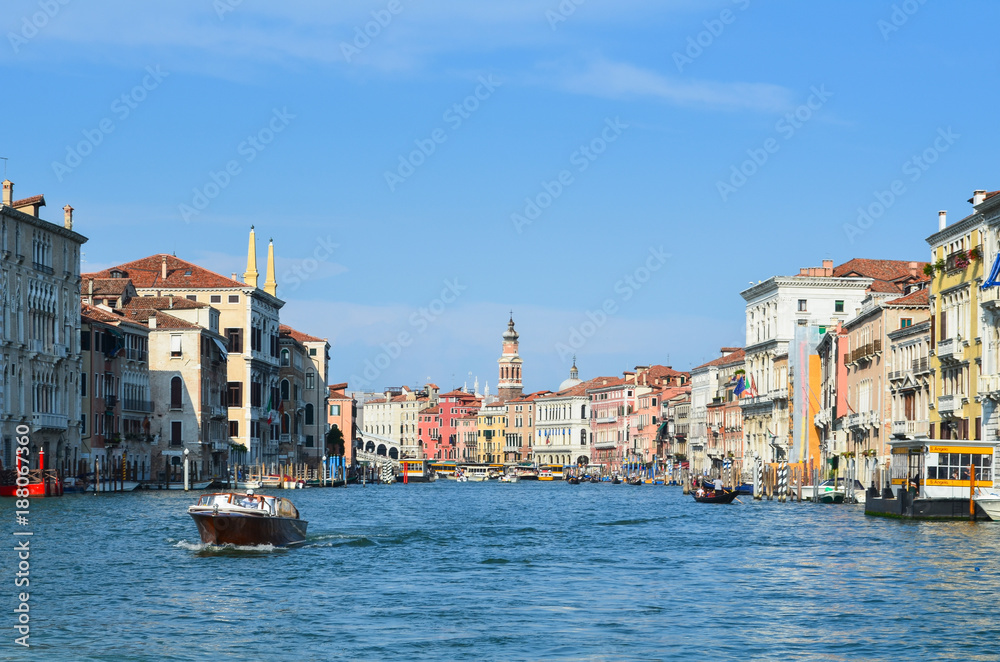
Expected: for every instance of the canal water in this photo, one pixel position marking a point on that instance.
(528, 571)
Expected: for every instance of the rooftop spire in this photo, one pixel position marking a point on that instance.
(270, 285)
(250, 275)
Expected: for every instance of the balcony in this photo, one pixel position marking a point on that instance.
(865, 351)
(136, 355)
(605, 445)
(910, 429)
(60, 350)
(49, 421)
(778, 394)
(606, 419)
(219, 411)
(220, 446)
(949, 404)
(37, 346)
(110, 401)
(854, 421)
(42, 268)
(131, 404)
(950, 349)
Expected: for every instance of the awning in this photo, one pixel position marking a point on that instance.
(222, 348)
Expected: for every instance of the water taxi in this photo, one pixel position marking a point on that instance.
(550, 472)
(445, 469)
(234, 519)
(417, 471)
(934, 479)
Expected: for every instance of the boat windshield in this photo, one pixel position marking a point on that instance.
(214, 500)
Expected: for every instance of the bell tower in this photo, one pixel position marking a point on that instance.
(510, 386)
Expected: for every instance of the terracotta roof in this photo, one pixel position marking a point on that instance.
(889, 271)
(105, 286)
(33, 200)
(918, 299)
(298, 335)
(145, 273)
(725, 360)
(457, 393)
(165, 321)
(883, 286)
(162, 303)
(431, 410)
(581, 388)
(98, 315)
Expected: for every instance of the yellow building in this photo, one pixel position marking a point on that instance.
(492, 431)
(956, 347)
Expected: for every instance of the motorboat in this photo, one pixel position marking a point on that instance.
(989, 501)
(247, 520)
(723, 496)
(509, 478)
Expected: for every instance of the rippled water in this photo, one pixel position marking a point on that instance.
(508, 572)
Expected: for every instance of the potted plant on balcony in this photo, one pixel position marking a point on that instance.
(961, 260)
(976, 254)
(929, 270)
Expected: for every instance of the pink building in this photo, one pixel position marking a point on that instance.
(610, 399)
(340, 413)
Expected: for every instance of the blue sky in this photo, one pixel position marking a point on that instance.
(625, 123)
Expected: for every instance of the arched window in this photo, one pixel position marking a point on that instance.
(285, 420)
(175, 393)
(309, 414)
(284, 387)
(285, 358)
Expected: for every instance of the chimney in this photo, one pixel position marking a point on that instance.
(163, 268)
(68, 217)
(978, 197)
(942, 220)
(8, 192)
(827, 267)
(152, 321)
(913, 268)
(90, 287)
(235, 276)
(171, 303)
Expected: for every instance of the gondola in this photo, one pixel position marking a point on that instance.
(635, 480)
(725, 496)
(573, 480)
(615, 480)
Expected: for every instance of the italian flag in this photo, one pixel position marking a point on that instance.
(270, 408)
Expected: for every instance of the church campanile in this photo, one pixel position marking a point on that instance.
(510, 365)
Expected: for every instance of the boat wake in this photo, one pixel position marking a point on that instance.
(341, 541)
(628, 522)
(205, 549)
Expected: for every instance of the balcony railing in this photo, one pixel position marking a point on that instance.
(910, 428)
(220, 445)
(921, 365)
(949, 403)
(131, 404)
(110, 401)
(949, 349)
(49, 421)
(60, 350)
(136, 355)
(866, 350)
(960, 259)
(35, 345)
(219, 411)
(606, 419)
(44, 268)
(989, 385)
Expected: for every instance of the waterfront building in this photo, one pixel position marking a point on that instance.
(188, 371)
(645, 420)
(610, 403)
(910, 377)
(304, 359)
(520, 427)
(248, 320)
(869, 393)
(451, 407)
(987, 207)
(39, 331)
(709, 383)
(817, 296)
(492, 426)
(117, 404)
(833, 351)
(395, 416)
(467, 430)
(562, 424)
(429, 433)
(956, 337)
(510, 385)
(341, 412)
(673, 433)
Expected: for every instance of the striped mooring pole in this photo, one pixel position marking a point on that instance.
(759, 492)
(783, 481)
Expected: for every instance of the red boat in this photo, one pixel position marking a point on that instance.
(234, 519)
(41, 483)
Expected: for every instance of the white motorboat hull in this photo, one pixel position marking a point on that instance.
(989, 501)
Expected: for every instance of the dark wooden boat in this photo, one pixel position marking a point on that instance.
(573, 480)
(635, 480)
(725, 496)
(224, 519)
(615, 480)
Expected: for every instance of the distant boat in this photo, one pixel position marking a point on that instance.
(989, 501)
(229, 518)
(725, 496)
(203, 485)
